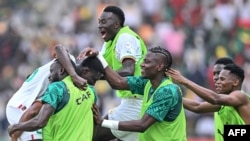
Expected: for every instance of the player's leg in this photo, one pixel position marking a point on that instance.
(129, 109)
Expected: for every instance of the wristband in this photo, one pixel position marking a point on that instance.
(112, 124)
(102, 60)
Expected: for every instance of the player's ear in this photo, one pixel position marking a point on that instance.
(161, 67)
(236, 82)
(117, 24)
(62, 70)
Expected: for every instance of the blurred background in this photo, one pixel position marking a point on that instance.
(196, 32)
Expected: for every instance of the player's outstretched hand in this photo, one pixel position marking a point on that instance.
(97, 114)
(90, 52)
(175, 75)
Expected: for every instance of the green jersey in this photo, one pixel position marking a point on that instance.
(227, 115)
(165, 105)
(73, 117)
(110, 54)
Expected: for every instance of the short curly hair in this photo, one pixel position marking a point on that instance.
(117, 11)
(93, 63)
(236, 70)
(224, 61)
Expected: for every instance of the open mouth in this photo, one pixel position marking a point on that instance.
(103, 34)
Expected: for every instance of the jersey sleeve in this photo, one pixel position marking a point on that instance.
(164, 100)
(94, 91)
(54, 94)
(136, 84)
(128, 46)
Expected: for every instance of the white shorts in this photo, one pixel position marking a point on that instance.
(13, 115)
(129, 109)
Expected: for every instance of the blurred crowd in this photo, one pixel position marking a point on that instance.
(196, 32)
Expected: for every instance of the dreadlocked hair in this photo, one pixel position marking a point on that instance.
(165, 52)
(117, 11)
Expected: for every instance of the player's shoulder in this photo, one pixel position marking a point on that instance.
(57, 84)
(170, 87)
(127, 36)
(240, 94)
(137, 79)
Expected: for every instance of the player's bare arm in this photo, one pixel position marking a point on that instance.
(63, 56)
(29, 114)
(35, 123)
(140, 125)
(199, 107)
(128, 67)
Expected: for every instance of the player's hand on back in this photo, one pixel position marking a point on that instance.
(97, 114)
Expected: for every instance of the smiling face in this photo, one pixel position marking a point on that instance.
(216, 71)
(226, 82)
(152, 65)
(108, 25)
